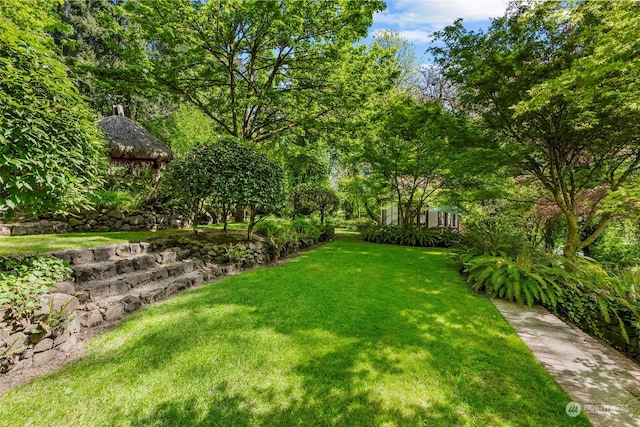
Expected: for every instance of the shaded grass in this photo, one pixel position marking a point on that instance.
(349, 334)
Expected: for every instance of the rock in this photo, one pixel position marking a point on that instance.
(44, 357)
(22, 365)
(91, 318)
(68, 345)
(44, 345)
(74, 325)
(78, 257)
(28, 353)
(131, 303)
(65, 287)
(63, 337)
(17, 342)
(64, 303)
(115, 214)
(104, 253)
(5, 230)
(114, 312)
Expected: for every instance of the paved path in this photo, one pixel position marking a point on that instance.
(598, 378)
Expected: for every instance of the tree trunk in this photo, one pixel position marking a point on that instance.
(252, 222)
(573, 237)
(238, 215)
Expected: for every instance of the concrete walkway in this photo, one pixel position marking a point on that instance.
(597, 377)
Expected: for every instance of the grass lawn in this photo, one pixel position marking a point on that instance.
(350, 334)
(38, 243)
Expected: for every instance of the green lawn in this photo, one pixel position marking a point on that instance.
(350, 334)
(38, 243)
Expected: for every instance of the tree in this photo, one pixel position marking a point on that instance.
(407, 148)
(309, 198)
(227, 172)
(257, 68)
(524, 77)
(52, 156)
(404, 56)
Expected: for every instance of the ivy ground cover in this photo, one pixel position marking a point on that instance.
(350, 334)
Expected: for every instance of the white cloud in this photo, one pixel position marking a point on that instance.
(417, 36)
(436, 14)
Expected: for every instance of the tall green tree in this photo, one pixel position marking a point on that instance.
(524, 77)
(226, 173)
(51, 155)
(257, 68)
(407, 147)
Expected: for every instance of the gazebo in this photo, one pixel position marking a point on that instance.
(131, 145)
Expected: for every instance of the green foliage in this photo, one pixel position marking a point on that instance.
(492, 238)
(120, 200)
(572, 61)
(406, 236)
(619, 244)
(24, 280)
(267, 228)
(226, 173)
(525, 279)
(184, 129)
(406, 149)
(309, 198)
(232, 60)
(51, 156)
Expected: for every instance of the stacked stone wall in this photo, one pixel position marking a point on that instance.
(102, 220)
(50, 332)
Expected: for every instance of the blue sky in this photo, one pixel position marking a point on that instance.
(416, 20)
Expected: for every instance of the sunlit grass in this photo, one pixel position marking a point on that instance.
(38, 243)
(350, 334)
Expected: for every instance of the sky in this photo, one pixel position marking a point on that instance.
(416, 20)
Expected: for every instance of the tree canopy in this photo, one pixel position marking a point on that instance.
(256, 68)
(227, 173)
(51, 155)
(524, 78)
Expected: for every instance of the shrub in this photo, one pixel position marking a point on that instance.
(267, 228)
(305, 228)
(120, 200)
(592, 296)
(524, 279)
(407, 236)
(24, 280)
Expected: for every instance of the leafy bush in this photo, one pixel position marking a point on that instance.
(592, 296)
(267, 228)
(492, 239)
(407, 236)
(24, 280)
(582, 292)
(120, 200)
(328, 232)
(306, 228)
(523, 279)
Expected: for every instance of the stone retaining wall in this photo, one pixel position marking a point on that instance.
(612, 332)
(99, 221)
(25, 343)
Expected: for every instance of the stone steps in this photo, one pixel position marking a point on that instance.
(113, 281)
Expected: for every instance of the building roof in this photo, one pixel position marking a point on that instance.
(130, 142)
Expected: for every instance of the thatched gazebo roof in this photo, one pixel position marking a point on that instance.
(131, 144)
